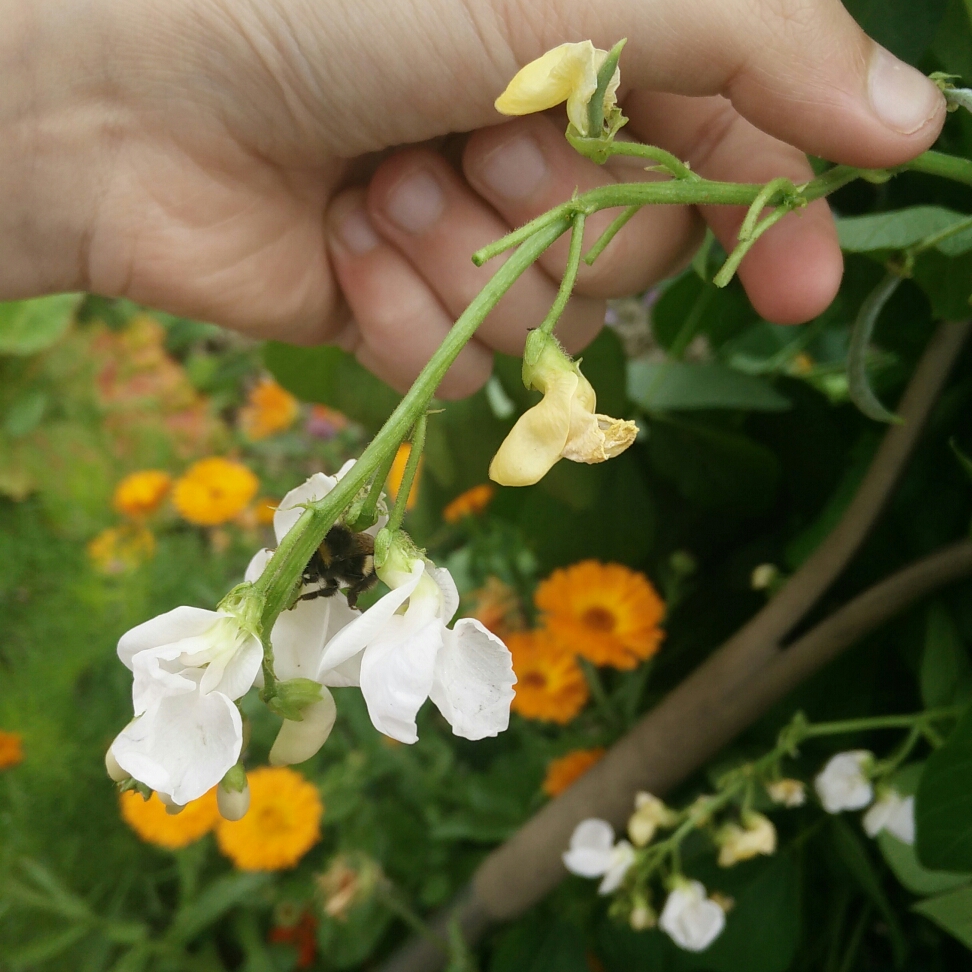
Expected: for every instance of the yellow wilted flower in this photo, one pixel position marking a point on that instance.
(567, 73)
(757, 835)
(563, 425)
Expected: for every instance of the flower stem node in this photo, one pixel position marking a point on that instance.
(894, 813)
(650, 814)
(844, 783)
(563, 425)
(566, 73)
(756, 836)
(690, 918)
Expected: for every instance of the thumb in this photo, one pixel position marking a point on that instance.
(800, 70)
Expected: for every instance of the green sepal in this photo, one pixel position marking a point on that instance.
(246, 604)
(132, 784)
(595, 107)
(292, 696)
(383, 544)
(532, 351)
(235, 779)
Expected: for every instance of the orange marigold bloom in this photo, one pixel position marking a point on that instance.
(269, 409)
(11, 749)
(550, 684)
(469, 503)
(214, 491)
(117, 550)
(497, 607)
(149, 819)
(282, 824)
(141, 493)
(561, 773)
(605, 613)
(397, 474)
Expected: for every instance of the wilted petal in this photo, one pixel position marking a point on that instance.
(593, 437)
(298, 741)
(538, 438)
(473, 683)
(397, 674)
(165, 629)
(182, 746)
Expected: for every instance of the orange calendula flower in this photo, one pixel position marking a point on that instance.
(269, 409)
(282, 824)
(606, 613)
(561, 773)
(117, 550)
(153, 824)
(397, 474)
(214, 491)
(469, 503)
(141, 493)
(550, 684)
(11, 749)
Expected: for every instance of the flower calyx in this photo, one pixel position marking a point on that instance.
(563, 425)
(291, 697)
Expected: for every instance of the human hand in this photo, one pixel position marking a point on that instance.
(241, 161)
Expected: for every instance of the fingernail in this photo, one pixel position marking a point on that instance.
(514, 170)
(415, 203)
(354, 231)
(902, 97)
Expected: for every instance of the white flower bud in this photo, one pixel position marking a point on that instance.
(788, 793)
(171, 807)
(895, 814)
(642, 918)
(299, 741)
(232, 804)
(842, 784)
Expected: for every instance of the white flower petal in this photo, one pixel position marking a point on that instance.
(183, 746)
(257, 565)
(240, 670)
(290, 509)
(902, 822)
(690, 918)
(473, 684)
(345, 675)
(450, 594)
(175, 625)
(396, 676)
(298, 741)
(587, 862)
(362, 630)
(842, 785)
(622, 857)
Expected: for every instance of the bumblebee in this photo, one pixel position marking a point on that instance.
(345, 559)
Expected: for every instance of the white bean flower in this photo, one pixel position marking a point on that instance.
(691, 918)
(789, 793)
(405, 654)
(593, 853)
(843, 783)
(895, 814)
(189, 667)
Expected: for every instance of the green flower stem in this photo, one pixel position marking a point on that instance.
(938, 164)
(725, 274)
(666, 160)
(880, 722)
(368, 513)
(281, 578)
(411, 468)
(605, 238)
(570, 274)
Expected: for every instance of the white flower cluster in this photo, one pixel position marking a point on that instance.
(844, 784)
(190, 667)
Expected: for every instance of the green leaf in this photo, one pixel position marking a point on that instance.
(47, 948)
(946, 674)
(25, 413)
(29, 326)
(903, 861)
(850, 848)
(943, 806)
(903, 228)
(331, 377)
(947, 282)
(665, 386)
(952, 912)
(223, 894)
(533, 946)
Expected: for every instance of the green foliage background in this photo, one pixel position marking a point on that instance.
(750, 455)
